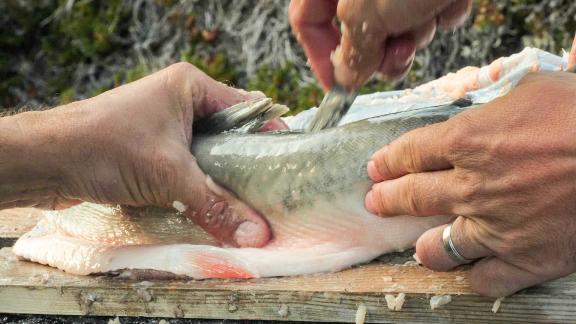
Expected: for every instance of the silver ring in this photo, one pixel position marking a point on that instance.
(450, 248)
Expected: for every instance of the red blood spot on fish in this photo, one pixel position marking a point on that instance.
(216, 267)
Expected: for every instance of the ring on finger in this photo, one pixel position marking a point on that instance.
(450, 248)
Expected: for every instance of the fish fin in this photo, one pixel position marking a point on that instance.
(245, 117)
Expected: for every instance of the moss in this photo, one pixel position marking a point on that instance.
(41, 52)
(67, 96)
(283, 86)
(87, 31)
(216, 66)
(20, 29)
(128, 75)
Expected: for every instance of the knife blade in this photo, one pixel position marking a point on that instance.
(333, 107)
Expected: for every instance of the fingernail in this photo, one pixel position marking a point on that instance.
(409, 60)
(249, 234)
(373, 172)
(370, 204)
(256, 94)
(403, 65)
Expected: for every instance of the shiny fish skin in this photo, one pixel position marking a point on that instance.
(310, 187)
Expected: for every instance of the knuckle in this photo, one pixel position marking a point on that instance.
(458, 136)
(186, 81)
(411, 153)
(183, 74)
(471, 186)
(383, 165)
(183, 68)
(412, 198)
(379, 199)
(346, 11)
(296, 16)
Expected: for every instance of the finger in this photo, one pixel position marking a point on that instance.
(572, 55)
(366, 26)
(400, 51)
(196, 93)
(398, 57)
(419, 150)
(218, 211)
(466, 238)
(275, 124)
(362, 46)
(312, 23)
(401, 16)
(496, 278)
(424, 34)
(419, 194)
(455, 14)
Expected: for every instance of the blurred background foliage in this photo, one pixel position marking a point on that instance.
(57, 51)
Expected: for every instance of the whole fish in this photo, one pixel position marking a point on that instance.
(309, 186)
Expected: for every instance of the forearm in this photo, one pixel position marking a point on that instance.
(33, 146)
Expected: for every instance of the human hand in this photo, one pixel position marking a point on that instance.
(131, 146)
(377, 35)
(507, 170)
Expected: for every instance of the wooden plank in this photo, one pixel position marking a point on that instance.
(28, 288)
(35, 289)
(15, 222)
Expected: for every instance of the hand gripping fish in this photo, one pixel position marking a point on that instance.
(310, 187)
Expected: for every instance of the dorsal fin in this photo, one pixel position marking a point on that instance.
(247, 116)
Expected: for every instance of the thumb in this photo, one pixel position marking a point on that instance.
(218, 211)
(496, 278)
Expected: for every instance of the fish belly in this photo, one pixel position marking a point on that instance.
(303, 244)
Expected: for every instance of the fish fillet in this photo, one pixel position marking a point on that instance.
(310, 187)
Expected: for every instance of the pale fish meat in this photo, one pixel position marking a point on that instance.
(310, 187)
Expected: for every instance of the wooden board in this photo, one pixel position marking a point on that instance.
(15, 222)
(31, 288)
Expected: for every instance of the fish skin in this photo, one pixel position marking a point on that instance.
(310, 187)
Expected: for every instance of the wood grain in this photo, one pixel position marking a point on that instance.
(29, 288)
(35, 289)
(15, 222)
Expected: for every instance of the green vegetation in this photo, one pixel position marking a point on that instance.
(283, 86)
(44, 46)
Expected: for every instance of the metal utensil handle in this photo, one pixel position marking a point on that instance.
(333, 107)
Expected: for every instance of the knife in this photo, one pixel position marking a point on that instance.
(332, 108)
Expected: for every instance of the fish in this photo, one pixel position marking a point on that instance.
(309, 186)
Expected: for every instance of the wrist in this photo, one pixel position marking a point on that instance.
(36, 149)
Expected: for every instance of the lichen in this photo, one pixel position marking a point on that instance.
(57, 51)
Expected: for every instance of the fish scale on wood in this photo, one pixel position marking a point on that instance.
(309, 186)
